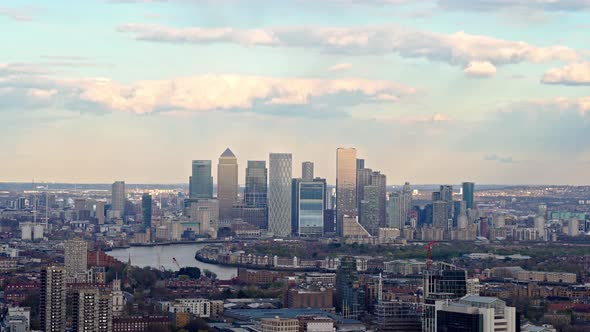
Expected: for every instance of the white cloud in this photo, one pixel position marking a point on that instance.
(15, 14)
(199, 93)
(577, 73)
(161, 33)
(581, 105)
(459, 48)
(480, 69)
(495, 5)
(340, 67)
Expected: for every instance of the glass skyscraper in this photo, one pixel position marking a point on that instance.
(256, 184)
(201, 181)
(118, 197)
(279, 194)
(311, 208)
(146, 210)
(468, 189)
(346, 197)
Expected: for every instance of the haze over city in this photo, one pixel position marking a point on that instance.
(429, 91)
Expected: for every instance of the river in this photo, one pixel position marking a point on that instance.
(184, 254)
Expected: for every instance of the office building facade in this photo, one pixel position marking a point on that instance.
(346, 196)
(201, 181)
(468, 194)
(311, 207)
(279, 194)
(307, 171)
(146, 210)
(227, 183)
(118, 198)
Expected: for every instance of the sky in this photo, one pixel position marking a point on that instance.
(428, 91)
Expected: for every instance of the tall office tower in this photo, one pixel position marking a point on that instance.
(350, 296)
(307, 171)
(52, 304)
(446, 194)
(311, 207)
(295, 206)
(363, 179)
(256, 184)
(201, 181)
(447, 283)
(468, 189)
(459, 209)
(91, 311)
(439, 214)
(99, 212)
(540, 227)
(76, 259)
(380, 181)
(407, 201)
(227, 183)
(394, 211)
(118, 198)
(360, 164)
(436, 196)
(370, 219)
(279, 194)
(346, 196)
(146, 210)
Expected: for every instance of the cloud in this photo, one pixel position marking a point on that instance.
(495, 157)
(160, 33)
(15, 14)
(577, 73)
(478, 69)
(524, 5)
(459, 48)
(199, 93)
(340, 67)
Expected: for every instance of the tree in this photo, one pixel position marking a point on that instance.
(209, 274)
(191, 272)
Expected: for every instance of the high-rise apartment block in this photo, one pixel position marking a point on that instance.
(52, 304)
(76, 259)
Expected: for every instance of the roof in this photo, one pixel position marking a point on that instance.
(227, 154)
(479, 299)
(257, 314)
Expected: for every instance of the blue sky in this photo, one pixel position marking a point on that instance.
(429, 91)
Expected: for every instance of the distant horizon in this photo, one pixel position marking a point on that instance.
(455, 185)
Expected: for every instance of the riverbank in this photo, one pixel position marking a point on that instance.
(206, 260)
(167, 256)
(167, 243)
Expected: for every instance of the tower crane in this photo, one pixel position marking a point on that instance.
(429, 246)
(176, 262)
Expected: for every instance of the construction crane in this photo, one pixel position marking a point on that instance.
(176, 262)
(429, 246)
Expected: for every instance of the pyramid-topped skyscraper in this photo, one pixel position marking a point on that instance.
(227, 183)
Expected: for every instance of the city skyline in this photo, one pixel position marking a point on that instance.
(429, 91)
